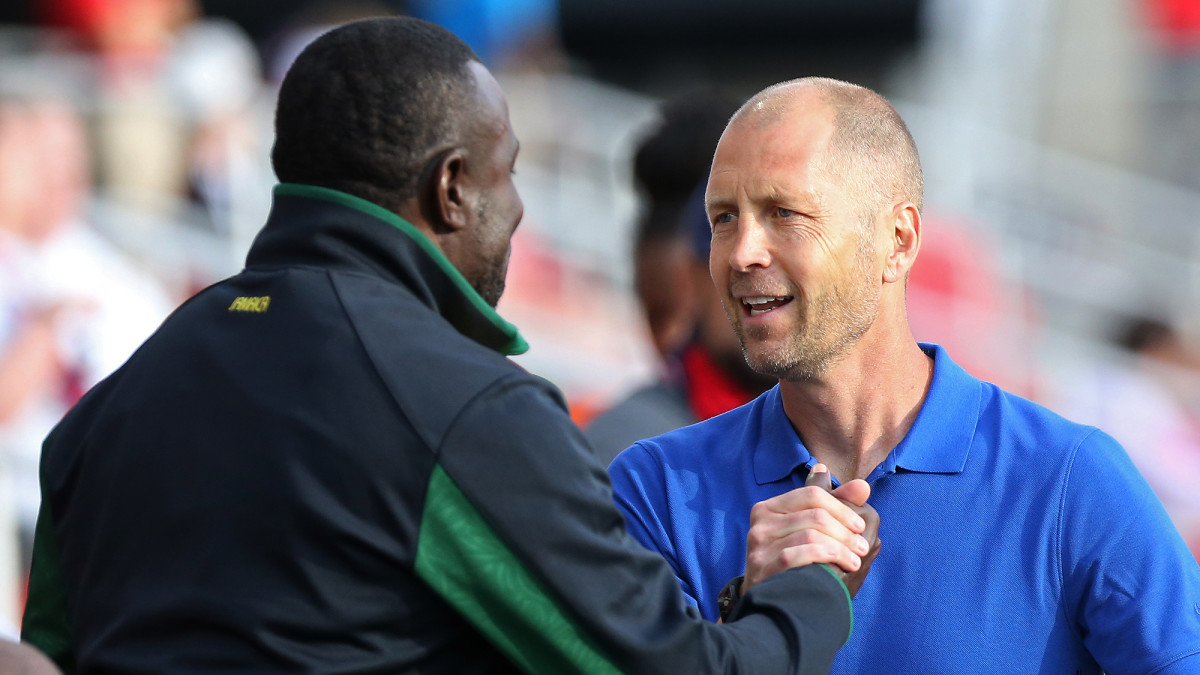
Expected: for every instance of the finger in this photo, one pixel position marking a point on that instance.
(765, 533)
(856, 491)
(871, 533)
(856, 544)
(805, 498)
(819, 476)
(819, 551)
(871, 517)
(815, 549)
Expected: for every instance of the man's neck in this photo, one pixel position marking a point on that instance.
(853, 415)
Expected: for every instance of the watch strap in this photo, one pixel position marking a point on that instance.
(729, 596)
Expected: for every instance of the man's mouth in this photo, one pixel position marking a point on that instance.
(756, 305)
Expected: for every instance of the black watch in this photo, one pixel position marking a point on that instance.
(729, 597)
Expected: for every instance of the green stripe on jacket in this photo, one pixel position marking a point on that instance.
(460, 556)
(45, 622)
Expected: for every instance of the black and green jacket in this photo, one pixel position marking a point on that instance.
(327, 464)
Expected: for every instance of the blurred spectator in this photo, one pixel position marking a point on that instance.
(704, 373)
(140, 137)
(27, 356)
(72, 306)
(215, 78)
(670, 161)
(1149, 400)
(174, 108)
(179, 122)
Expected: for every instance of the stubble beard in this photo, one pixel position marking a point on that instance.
(491, 281)
(815, 343)
(491, 286)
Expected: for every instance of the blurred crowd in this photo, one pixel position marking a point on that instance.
(134, 143)
(126, 130)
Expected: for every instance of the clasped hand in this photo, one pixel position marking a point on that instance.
(814, 524)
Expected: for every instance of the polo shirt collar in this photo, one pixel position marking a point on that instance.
(938, 442)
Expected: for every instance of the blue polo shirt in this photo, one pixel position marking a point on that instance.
(1014, 541)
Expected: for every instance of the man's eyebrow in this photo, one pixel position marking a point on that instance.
(801, 196)
(716, 203)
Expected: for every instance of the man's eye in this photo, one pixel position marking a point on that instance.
(784, 213)
(726, 217)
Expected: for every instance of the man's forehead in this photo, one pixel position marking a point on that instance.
(486, 83)
(785, 103)
(793, 137)
(490, 112)
(778, 157)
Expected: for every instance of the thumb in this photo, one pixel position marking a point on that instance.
(819, 476)
(856, 491)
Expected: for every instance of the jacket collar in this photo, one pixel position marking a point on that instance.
(938, 442)
(310, 225)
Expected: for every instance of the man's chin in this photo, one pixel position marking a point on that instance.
(491, 292)
(764, 362)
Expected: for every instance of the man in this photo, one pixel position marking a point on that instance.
(327, 464)
(1068, 563)
(703, 373)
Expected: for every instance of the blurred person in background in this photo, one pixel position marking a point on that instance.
(74, 305)
(1148, 398)
(1066, 560)
(177, 112)
(28, 355)
(703, 372)
(140, 135)
(327, 463)
(670, 161)
(214, 74)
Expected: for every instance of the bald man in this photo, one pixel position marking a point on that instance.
(1017, 541)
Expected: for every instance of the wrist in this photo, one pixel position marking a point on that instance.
(728, 597)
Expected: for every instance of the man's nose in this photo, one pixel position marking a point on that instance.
(749, 246)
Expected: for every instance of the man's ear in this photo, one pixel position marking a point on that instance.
(905, 239)
(446, 204)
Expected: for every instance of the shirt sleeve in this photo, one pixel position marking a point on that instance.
(520, 533)
(637, 491)
(1131, 585)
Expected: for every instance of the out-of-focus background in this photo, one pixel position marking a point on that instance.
(1060, 140)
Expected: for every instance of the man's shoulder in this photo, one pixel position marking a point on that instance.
(392, 321)
(1000, 416)
(1014, 418)
(996, 430)
(429, 367)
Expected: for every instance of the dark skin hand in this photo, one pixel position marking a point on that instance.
(852, 579)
